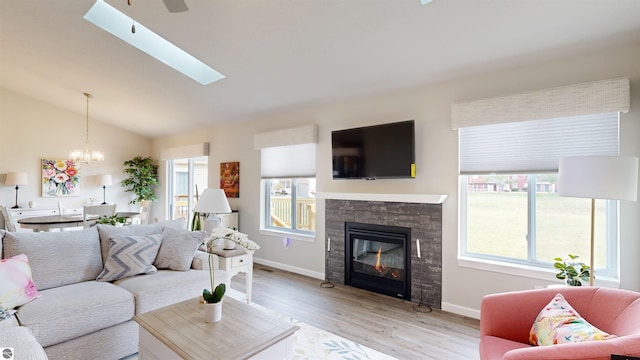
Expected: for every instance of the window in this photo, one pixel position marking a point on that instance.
(290, 205)
(184, 177)
(288, 170)
(510, 208)
(519, 218)
(510, 149)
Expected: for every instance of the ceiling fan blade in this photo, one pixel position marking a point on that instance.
(175, 6)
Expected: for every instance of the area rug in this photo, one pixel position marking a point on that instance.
(311, 343)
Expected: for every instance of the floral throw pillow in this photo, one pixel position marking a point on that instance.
(559, 323)
(16, 283)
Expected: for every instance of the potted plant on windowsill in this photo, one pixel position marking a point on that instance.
(213, 298)
(571, 270)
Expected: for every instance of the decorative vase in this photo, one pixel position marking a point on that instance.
(229, 244)
(212, 312)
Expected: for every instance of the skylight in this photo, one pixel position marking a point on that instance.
(113, 21)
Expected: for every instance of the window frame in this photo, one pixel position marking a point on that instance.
(531, 267)
(265, 222)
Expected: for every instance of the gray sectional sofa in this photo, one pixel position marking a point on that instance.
(78, 317)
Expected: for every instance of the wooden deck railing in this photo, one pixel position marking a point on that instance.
(305, 210)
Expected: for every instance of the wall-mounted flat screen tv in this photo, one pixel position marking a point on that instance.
(384, 151)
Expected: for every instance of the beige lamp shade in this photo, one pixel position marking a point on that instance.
(105, 180)
(213, 201)
(599, 177)
(16, 178)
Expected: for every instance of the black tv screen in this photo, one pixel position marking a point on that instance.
(384, 151)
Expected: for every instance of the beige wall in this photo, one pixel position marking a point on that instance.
(436, 158)
(32, 130)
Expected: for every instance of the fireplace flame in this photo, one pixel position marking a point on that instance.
(379, 268)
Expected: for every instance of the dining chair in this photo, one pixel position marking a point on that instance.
(9, 225)
(145, 211)
(96, 210)
(70, 207)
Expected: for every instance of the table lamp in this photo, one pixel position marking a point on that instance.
(17, 179)
(598, 177)
(212, 202)
(104, 180)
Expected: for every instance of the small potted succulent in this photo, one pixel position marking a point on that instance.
(213, 299)
(571, 270)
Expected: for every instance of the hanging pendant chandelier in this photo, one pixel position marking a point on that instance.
(85, 156)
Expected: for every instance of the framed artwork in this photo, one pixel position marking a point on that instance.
(230, 179)
(60, 178)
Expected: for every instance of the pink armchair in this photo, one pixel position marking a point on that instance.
(505, 321)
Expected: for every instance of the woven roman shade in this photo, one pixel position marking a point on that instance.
(185, 152)
(597, 97)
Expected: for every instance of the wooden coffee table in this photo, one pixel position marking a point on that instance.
(179, 331)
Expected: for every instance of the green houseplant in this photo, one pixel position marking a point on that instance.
(142, 176)
(572, 271)
(114, 220)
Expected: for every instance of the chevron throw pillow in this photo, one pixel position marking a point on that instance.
(130, 256)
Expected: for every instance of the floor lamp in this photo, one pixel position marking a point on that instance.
(17, 179)
(598, 177)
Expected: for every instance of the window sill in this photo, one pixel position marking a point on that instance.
(288, 234)
(526, 271)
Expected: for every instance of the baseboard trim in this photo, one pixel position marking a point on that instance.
(461, 310)
(293, 269)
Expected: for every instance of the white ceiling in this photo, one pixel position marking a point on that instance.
(285, 53)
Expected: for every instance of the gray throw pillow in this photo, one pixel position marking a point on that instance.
(178, 248)
(130, 256)
(107, 231)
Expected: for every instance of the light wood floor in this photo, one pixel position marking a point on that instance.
(389, 325)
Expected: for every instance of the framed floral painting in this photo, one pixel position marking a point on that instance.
(60, 178)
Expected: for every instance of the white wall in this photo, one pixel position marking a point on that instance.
(436, 159)
(32, 130)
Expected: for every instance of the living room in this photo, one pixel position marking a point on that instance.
(35, 129)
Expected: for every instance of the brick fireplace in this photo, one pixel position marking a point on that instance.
(424, 220)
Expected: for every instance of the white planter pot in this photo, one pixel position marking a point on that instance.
(229, 245)
(212, 312)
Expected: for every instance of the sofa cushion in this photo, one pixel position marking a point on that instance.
(70, 311)
(559, 323)
(130, 256)
(167, 287)
(107, 231)
(24, 345)
(178, 248)
(57, 258)
(16, 283)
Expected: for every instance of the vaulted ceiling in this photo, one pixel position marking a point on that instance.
(285, 53)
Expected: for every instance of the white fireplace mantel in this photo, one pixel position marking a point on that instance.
(408, 198)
